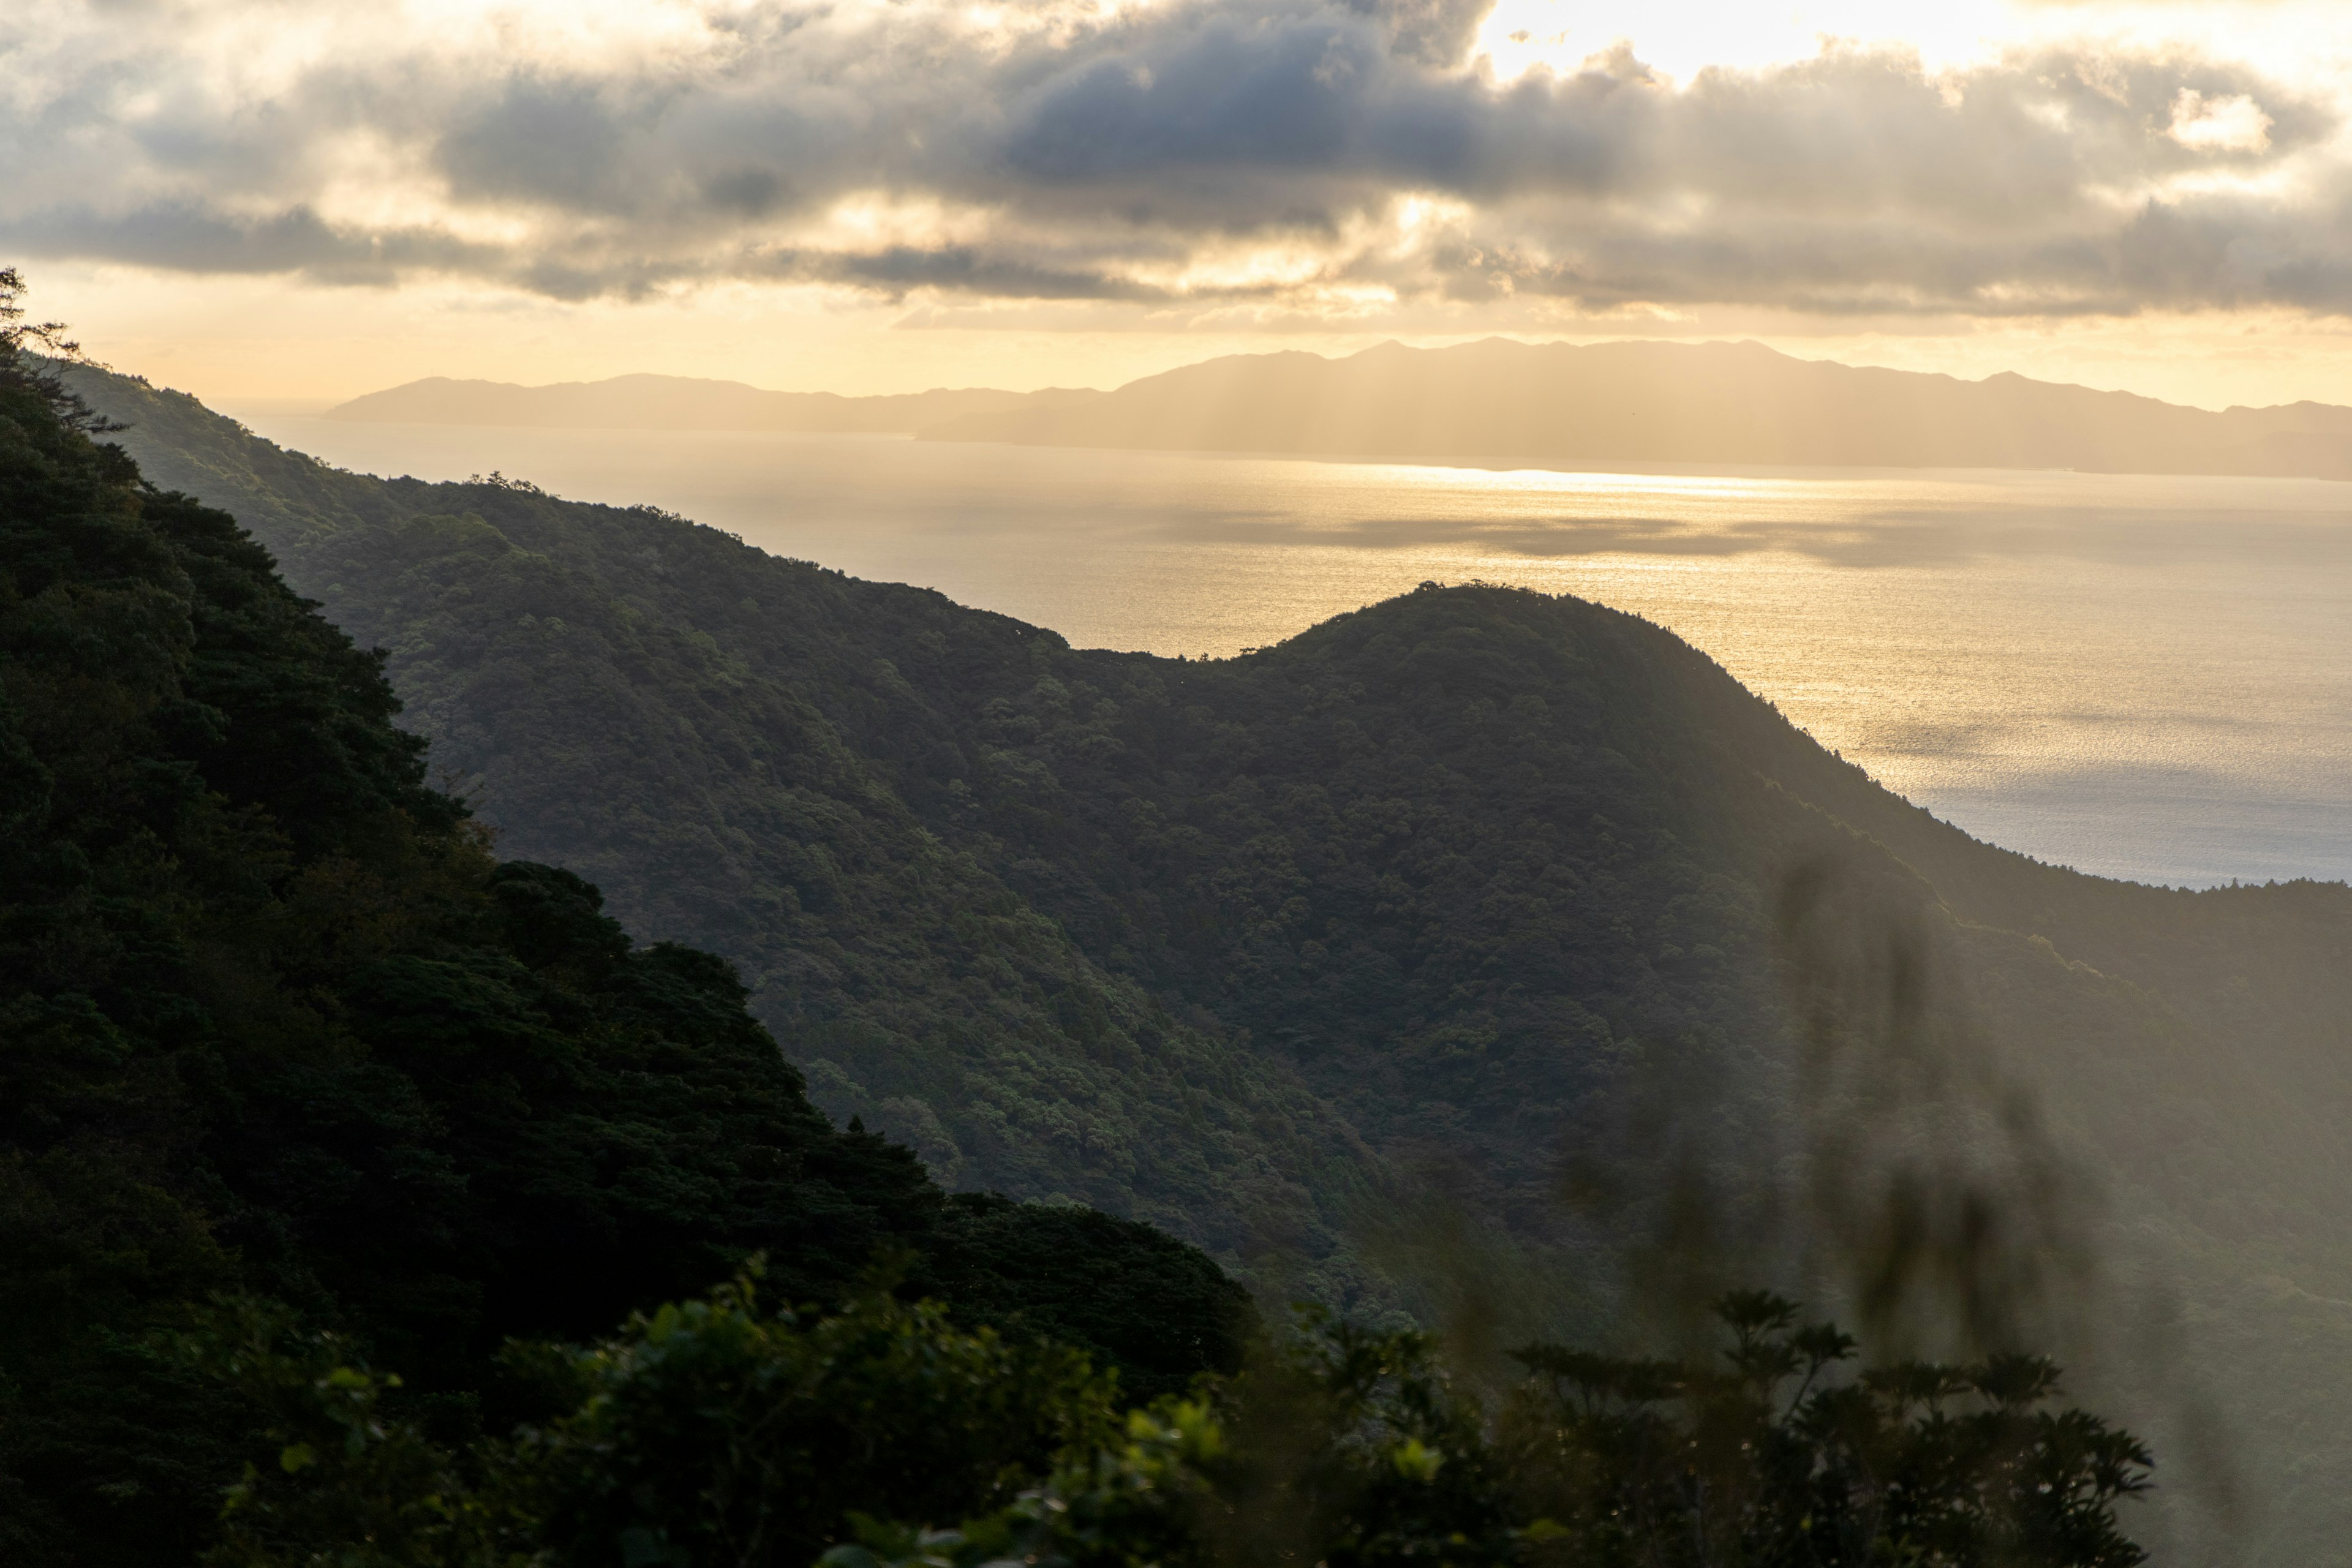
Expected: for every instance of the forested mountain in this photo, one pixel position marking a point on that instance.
(1558, 404)
(275, 1023)
(1447, 903)
(674, 403)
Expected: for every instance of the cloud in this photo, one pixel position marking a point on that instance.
(2237, 124)
(1183, 150)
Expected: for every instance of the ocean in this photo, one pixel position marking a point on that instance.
(2142, 678)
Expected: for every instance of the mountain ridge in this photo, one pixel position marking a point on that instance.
(648, 401)
(1495, 401)
(1500, 400)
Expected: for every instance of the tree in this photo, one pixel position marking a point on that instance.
(1780, 1454)
(881, 1436)
(29, 354)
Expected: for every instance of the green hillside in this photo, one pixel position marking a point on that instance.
(614, 693)
(1466, 902)
(276, 1023)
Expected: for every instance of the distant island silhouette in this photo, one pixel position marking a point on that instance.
(674, 403)
(1497, 401)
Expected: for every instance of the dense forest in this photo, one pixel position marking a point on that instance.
(1439, 959)
(281, 1030)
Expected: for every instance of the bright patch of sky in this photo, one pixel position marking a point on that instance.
(2303, 42)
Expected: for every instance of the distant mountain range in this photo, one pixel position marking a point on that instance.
(677, 403)
(1557, 404)
(1554, 404)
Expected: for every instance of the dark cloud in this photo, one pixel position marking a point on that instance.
(190, 237)
(1132, 158)
(899, 269)
(751, 191)
(555, 141)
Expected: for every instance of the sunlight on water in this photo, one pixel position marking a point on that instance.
(2142, 677)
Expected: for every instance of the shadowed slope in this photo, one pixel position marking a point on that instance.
(275, 1023)
(720, 739)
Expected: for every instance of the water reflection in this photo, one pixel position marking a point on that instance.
(2143, 676)
(1896, 538)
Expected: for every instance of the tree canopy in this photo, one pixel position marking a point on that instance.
(276, 1023)
(883, 1436)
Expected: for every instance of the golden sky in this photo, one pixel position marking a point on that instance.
(270, 200)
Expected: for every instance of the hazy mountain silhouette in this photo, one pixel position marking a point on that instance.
(1558, 404)
(676, 403)
(1490, 402)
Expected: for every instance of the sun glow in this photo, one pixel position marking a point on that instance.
(2308, 42)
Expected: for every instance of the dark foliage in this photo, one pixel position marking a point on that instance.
(1777, 1453)
(273, 1020)
(714, 1432)
(1134, 1297)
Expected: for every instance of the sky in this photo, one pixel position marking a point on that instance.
(291, 202)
